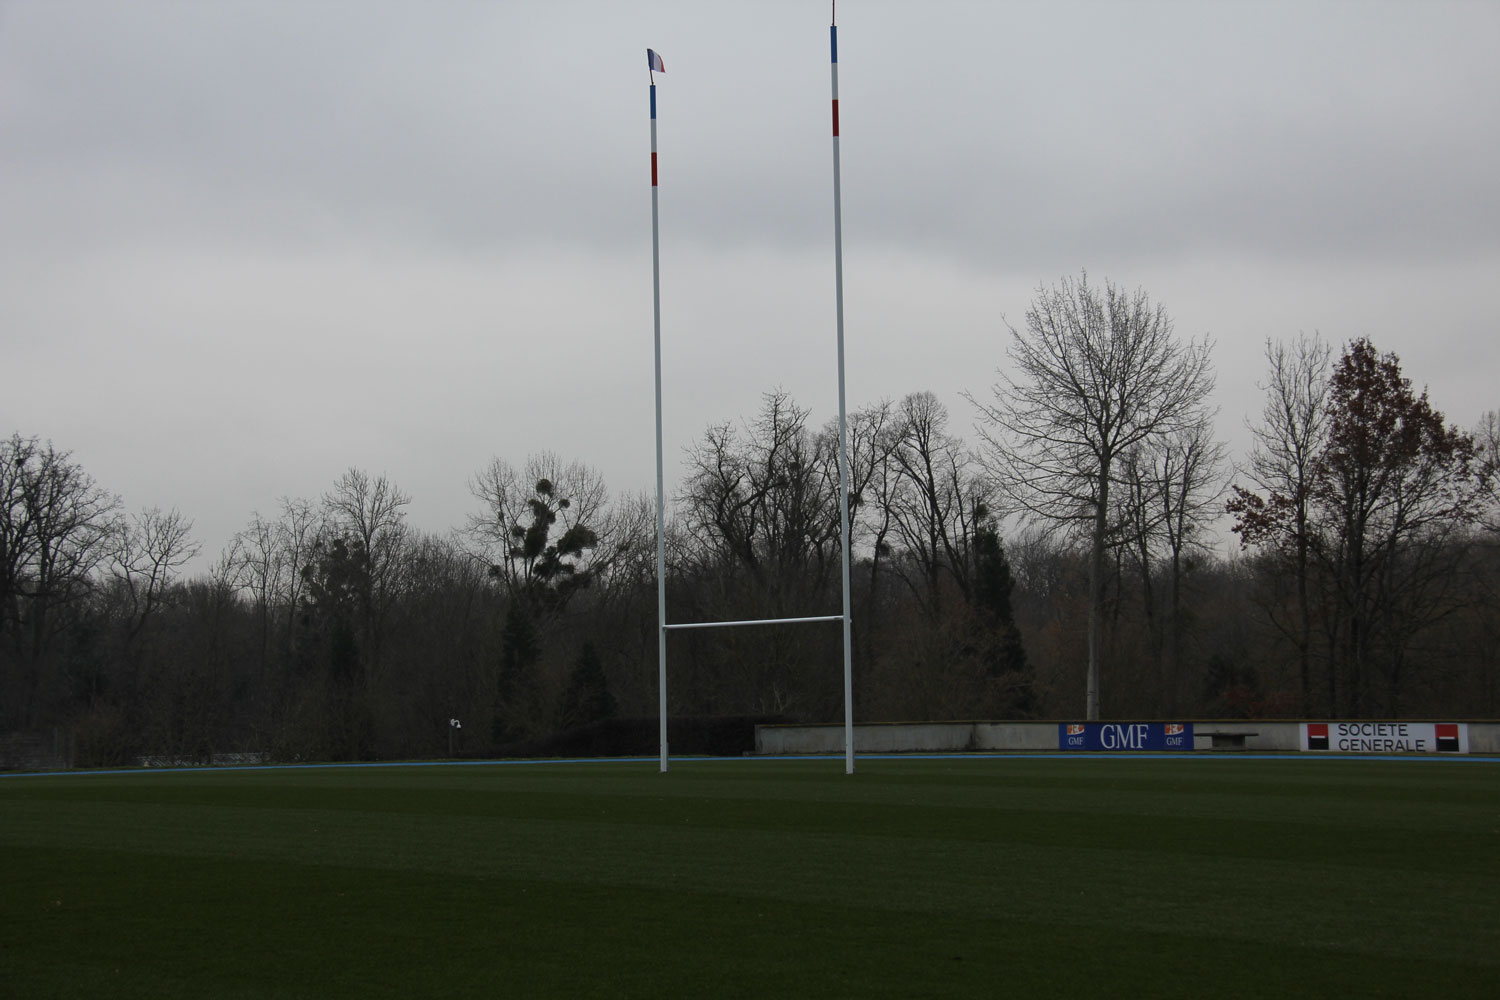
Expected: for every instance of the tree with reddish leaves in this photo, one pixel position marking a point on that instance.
(1392, 484)
(1390, 489)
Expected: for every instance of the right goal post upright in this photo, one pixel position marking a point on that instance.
(838, 299)
(655, 65)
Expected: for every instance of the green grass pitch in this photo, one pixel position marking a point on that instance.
(1011, 876)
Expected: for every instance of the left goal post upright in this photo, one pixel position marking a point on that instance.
(655, 65)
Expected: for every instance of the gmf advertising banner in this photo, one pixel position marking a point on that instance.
(1125, 736)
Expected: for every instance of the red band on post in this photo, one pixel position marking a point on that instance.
(835, 117)
(653, 170)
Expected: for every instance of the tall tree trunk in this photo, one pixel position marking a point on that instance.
(1304, 607)
(1096, 591)
(1172, 630)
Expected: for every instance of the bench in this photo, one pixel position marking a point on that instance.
(1225, 741)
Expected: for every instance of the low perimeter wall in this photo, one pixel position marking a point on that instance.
(957, 737)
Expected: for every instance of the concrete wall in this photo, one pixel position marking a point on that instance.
(1484, 737)
(869, 738)
(908, 737)
(35, 751)
(954, 737)
(1270, 736)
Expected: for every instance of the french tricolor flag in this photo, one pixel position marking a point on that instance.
(653, 62)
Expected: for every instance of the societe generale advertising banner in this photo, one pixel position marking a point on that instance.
(1125, 736)
(1385, 737)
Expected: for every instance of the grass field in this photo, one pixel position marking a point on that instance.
(1220, 877)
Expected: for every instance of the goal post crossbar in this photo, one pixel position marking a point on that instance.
(655, 65)
(756, 621)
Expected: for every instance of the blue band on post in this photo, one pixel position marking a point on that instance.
(833, 41)
(653, 100)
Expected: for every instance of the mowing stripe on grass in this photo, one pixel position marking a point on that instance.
(922, 876)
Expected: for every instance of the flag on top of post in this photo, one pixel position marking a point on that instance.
(653, 62)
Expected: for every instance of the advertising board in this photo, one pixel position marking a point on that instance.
(1116, 736)
(1385, 737)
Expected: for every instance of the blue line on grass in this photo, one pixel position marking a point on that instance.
(1060, 755)
(1174, 755)
(347, 764)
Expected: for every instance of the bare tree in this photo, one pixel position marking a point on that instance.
(149, 550)
(625, 553)
(873, 438)
(55, 527)
(1294, 424)
(766, 500)
(1138, 544)
(758, 537)
(1188, 473)
(265, 562)
(373, 512)
(874, 435)
(1093, 375)
(369, 514)
(1487, 443)
(939, 500)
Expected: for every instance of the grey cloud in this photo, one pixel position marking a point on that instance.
(993, 132)
(377, 215)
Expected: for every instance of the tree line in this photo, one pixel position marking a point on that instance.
(1059, 565)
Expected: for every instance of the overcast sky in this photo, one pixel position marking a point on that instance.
(245, 246)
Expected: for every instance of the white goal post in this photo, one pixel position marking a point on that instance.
(655, 65)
